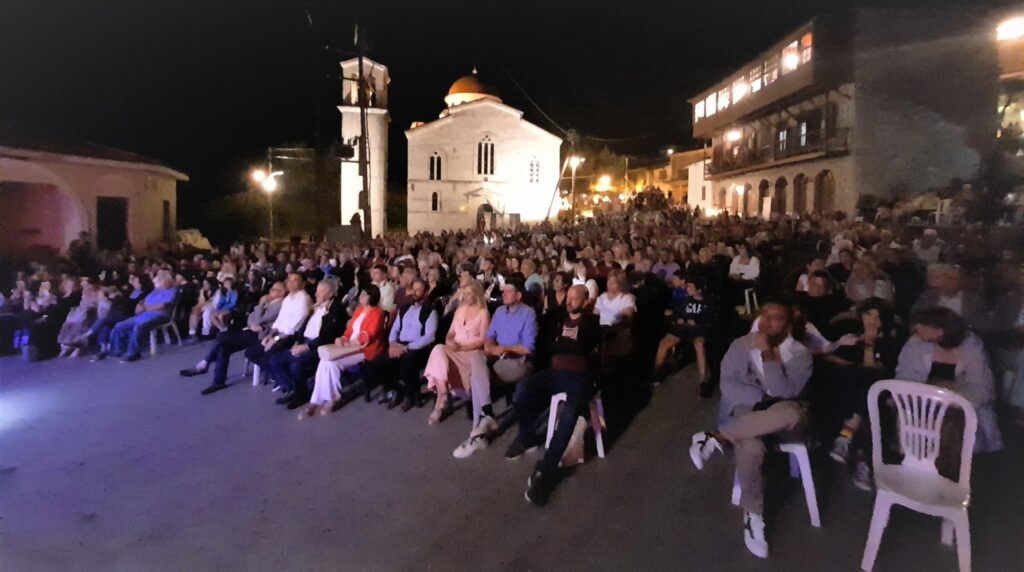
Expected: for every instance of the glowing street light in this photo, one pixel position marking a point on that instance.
(733, 136)
(1011, 29)
(268, 182)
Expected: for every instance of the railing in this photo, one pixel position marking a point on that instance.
(726, 161)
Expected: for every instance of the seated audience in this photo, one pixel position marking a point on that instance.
(128, 336)
(946, 289)
(450, 363)
(409, 343)
(295, 308)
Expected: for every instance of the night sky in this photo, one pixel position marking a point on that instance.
(206, 85)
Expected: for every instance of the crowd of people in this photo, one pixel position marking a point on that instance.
(789, 321)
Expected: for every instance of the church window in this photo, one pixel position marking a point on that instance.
(534, 170)
(434, 202)
(485, 156)
(435, 167)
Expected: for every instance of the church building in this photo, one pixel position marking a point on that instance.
(480, 165)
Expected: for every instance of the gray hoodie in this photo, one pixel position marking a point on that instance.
(746, 379)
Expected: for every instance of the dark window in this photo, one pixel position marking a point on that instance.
(435, 167)
(485, 157)
(434, 202)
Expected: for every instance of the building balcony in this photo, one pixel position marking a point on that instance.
(813, 145)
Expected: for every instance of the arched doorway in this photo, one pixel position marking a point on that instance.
(721, 202)
(763, 190)
(485, 217)
(779, 198)
(750, 197)
(825, 192)
(799, 194)
(735, 202)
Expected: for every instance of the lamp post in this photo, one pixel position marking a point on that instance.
(574, 162)
(268, 182)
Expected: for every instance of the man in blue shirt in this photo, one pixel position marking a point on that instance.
(508, 346)
(412, 337)
(156, 308)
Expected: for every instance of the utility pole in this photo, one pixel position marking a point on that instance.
(364, 163)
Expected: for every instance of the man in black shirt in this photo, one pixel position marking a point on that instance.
(576, 347)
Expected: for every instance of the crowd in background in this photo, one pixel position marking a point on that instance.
(789, 321)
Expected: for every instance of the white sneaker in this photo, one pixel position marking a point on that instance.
(753, 534)
(479, 438)
(702, 446)
(862, 476)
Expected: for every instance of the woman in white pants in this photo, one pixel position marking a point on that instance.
(364, 340)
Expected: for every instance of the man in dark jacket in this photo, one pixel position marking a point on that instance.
(576, 352)
(327, 323)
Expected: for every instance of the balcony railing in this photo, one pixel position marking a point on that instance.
(813, 143)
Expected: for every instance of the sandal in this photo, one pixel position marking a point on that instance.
(439, 406)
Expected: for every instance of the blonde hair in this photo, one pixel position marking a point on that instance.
(477, 291)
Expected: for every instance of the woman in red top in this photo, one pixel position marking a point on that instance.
(364, 340)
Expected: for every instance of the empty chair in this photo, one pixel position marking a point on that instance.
(916, 483)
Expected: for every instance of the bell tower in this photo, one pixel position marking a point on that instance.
(374, 131)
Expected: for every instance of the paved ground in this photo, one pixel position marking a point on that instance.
(127, 467)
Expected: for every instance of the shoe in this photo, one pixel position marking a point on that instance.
(76, 353)
(479, 438)
(392, 399)
(309, 411)
(190, 372)
(703, 445)
(131, 358)
(213, 388)
(753, 534)
(283, 399)
(840, 450)
(407, 404)
(862, 476)
(538, 489)
(517, 448)
(296, 401)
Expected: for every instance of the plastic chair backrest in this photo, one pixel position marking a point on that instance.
(921, 408)
(944, 206)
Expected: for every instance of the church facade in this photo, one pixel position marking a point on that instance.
(480, 165)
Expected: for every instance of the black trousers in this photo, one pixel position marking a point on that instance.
(228, 343)
(401, 374)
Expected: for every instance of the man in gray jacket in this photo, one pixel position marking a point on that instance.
(763, 374)
(228, 342)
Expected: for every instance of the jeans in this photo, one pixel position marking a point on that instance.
(533, 396)
(127, 336)
(228, 343)
(103, 327)
(290, 372)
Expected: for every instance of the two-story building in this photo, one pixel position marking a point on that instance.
(870, 101)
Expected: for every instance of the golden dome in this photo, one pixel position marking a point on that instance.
(469, 88)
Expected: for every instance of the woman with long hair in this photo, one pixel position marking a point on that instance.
(450, 364)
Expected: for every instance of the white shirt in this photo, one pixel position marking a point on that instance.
(357, 326)
(749, 271)
(610, 309)
(294, 310)
(387, 295)
(590, 284)
(315, 321)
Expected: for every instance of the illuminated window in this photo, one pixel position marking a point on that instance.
(485, 157)
(435, 167)
(790, 58)
(803, 134)
(806, 48)
(698, 111)
(723, 99)
(771, 70)
(783, 135)
(755, 79)
(740, 88)
(711, 105)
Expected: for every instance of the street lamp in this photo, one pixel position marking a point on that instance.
(268, 182)
(574, 162)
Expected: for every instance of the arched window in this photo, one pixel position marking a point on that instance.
(434, 202)
(534, 170)
(485, 156)
(435, 167)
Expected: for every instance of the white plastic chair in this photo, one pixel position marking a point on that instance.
(165, 328)
(596, 420)
(945, 209)
(799, 468)
(916, 483)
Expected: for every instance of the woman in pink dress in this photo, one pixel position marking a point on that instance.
(450, 364)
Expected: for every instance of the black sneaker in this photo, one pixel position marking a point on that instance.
(297, 401)
(284, 399)
(99, 357)
(517, 448)
(131, 358)
(191, 372)
(213, 388)
(538, 489)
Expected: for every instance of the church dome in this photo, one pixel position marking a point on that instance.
(469, 88)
